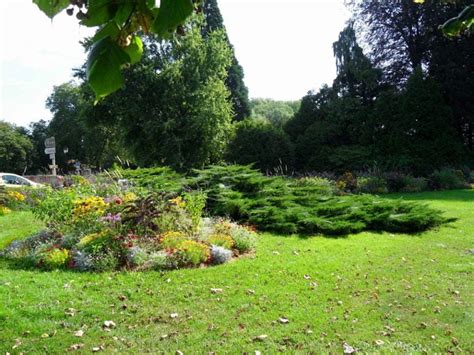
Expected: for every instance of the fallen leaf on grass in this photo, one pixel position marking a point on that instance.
(17, 343)
(97, 348)
(79, 333)
(216, 290)
(70, 312)
(348, 349)
(379, 342)
(109, 324)
(76, 347)
(262, 337)
(283, 320)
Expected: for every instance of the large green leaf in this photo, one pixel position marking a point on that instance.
(103, 67)
(110, 30)
(171, 14)
(99, 12)
(123, 12)
(135, 49)
(51, 7)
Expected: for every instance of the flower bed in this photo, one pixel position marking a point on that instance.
(90, 230)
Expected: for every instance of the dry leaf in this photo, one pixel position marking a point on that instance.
(79, 333)
(216, 290)
(76, 347)
(17, 343)
(348, 349)
(261, 337)
(109, 324)
(283, 320)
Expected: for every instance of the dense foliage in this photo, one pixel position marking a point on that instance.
(15, 149)
(306, 206)
(261, 144)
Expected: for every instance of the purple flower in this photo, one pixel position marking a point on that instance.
(112, 218)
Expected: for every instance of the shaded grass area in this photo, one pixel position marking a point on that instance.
(413, 293)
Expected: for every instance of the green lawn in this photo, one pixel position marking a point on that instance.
(374, 291)
(16, 225)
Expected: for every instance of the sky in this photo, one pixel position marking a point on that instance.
(284, 46)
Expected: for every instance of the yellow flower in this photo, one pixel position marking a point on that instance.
(87, 205)
(178, 201)
(129, 197)
(4, 210)
(90, 238)
(17, 196)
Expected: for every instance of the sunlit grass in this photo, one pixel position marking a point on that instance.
(373, 291)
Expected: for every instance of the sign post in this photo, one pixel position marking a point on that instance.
(50, 145)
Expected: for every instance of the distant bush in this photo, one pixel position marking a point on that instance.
(447, 179)
(261, 144)
(414, 184)
(372, 185)
(156, 179)
(347, 182)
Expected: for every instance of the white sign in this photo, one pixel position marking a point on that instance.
(50, 151)
(50, 142)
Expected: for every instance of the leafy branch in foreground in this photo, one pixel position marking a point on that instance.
(116, 42)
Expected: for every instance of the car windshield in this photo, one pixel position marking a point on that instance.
(14, 180)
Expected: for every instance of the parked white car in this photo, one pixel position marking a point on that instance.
(12, 180)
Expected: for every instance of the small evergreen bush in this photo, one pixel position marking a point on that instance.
(447, 179)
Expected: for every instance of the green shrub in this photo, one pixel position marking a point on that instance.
(284, 206)
(372, 185)
(347, 182)
(162, 179)
(447, 179)
(171, 240)
(55, 258)
(415, 184)
(195, 203)
(221, 240)
(244, 239)
(193, 253)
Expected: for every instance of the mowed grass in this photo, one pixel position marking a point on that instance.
(17, 225)
(374, 292)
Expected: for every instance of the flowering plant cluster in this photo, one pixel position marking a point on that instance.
(93, 231)
(10, 200)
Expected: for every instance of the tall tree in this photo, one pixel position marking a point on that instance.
(38, 132)
(401, 33)
(15, 149)
(175, 108)
(356, 76)
(235, 73)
